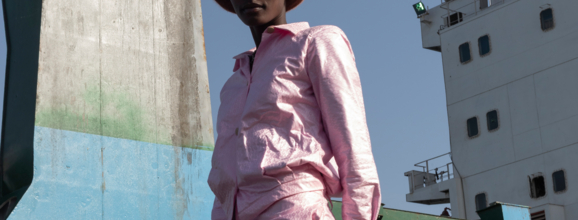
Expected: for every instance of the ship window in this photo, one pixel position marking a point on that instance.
(465, 53)
(484, 45)
(481, 201)
(559, 180)
(492, 118)
(454, 19)
(547, 18)
(473, 127)
(537, 187)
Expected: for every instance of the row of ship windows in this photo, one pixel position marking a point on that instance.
(492, 122)
(537, 188)
(547, 23)
(537, 184)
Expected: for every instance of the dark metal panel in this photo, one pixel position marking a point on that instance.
(22, 20)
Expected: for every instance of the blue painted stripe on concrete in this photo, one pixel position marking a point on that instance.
(86, 176)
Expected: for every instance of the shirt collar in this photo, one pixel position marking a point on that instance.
(244, 54)
(293, 28)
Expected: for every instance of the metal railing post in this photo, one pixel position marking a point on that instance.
(448, 167)
(427, 172)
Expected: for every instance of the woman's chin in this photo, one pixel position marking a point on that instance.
(256, 20)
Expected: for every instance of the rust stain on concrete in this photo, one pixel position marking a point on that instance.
(103, 186)
(185, 101)
(180, 202)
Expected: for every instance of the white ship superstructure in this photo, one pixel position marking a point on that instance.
(511, 79)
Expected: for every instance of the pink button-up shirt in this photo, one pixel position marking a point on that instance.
(295, 123)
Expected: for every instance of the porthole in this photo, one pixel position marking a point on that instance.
(472, 126)
(492, 120)
(465, 55)
(547, 19)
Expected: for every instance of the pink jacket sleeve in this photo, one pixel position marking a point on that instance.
(331, 67)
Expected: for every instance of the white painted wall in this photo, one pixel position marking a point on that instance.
(531, 78)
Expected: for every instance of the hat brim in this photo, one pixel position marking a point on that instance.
(226, 4)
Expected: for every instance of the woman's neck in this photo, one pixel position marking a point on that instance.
(257, 31)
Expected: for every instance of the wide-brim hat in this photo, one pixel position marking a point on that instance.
(226, 4)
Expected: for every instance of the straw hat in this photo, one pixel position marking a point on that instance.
(226, 4)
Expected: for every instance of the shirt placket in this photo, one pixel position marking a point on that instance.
(251, 65)
(240, 142)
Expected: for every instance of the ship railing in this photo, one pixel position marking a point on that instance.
(430, 176)
(464, 12)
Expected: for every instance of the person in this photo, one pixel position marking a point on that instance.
(291, 126)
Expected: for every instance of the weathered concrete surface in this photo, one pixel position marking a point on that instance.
(130, 69)
(136, 180)
(123, 118)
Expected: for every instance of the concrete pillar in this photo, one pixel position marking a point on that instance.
(123, 125)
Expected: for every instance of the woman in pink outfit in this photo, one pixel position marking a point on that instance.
(292, 127)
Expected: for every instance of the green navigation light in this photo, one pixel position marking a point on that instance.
(419, 8)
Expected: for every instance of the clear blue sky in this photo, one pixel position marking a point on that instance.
(402, 82)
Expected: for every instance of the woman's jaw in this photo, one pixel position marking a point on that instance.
(255, 13)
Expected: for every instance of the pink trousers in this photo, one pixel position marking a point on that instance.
(302, 206)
